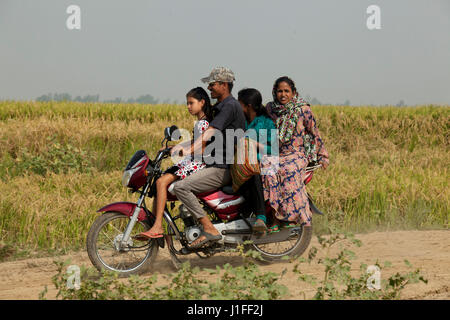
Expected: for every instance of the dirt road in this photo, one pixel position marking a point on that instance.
(426, 250)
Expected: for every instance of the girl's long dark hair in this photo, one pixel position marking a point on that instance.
(252, 97)
(200, 94)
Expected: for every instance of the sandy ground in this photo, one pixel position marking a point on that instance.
(427, 250)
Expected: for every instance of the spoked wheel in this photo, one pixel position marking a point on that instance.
(106, 251)
(297, 242)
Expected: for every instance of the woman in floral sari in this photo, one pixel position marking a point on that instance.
(299, 144)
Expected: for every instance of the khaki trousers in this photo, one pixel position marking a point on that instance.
(204, 180)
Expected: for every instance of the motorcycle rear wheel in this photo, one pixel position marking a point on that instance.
(102, 246)
(295, 246)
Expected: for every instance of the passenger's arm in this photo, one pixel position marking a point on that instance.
(311, 127)
(198, 144)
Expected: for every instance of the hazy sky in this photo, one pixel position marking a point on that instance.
(129, 48)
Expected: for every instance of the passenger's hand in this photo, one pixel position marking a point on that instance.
(324, 164)
(164, 148)
(178, 150)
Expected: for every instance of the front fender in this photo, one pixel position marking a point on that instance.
(126, 208)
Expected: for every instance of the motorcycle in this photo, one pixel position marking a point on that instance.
(111, 243)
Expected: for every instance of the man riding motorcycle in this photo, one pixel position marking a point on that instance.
(228, 115)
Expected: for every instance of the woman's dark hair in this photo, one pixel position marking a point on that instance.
(286, 79)
(200, 94)
(252, 97)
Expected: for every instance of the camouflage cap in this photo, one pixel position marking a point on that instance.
(220, 74)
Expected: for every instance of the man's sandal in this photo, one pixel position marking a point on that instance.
(208, 238)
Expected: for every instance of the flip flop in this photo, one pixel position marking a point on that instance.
(290, 225)
(275, 228)
(144, 237)
(259, 226)
(209, 238)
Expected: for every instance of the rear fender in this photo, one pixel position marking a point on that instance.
(313, 207)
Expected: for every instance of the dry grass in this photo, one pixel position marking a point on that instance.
(389, 166)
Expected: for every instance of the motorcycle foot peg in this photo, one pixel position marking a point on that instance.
(185, 250)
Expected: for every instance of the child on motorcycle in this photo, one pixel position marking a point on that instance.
(199, 105)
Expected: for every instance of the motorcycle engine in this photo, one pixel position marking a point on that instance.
(192, 233)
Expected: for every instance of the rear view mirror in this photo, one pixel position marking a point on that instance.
(172, 133)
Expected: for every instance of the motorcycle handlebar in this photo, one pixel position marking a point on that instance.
(162, 153)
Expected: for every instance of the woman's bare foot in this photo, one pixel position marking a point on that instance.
(275, 225)
(259, 226)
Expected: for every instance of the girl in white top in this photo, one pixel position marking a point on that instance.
(199, 105)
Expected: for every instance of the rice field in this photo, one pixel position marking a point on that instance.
(61, 161)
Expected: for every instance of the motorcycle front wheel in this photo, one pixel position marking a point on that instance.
(106, 252)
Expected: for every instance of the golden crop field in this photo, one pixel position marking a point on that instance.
(61, 161)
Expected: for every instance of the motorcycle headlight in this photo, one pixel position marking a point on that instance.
(127, 176)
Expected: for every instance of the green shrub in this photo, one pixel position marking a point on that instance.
(58, 158)
(245, 282)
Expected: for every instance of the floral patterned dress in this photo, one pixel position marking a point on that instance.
(283, 183)
(188, 166)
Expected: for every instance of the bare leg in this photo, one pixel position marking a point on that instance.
(208, 226)
(159, 203)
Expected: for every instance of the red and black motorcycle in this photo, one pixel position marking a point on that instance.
(110, 240)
